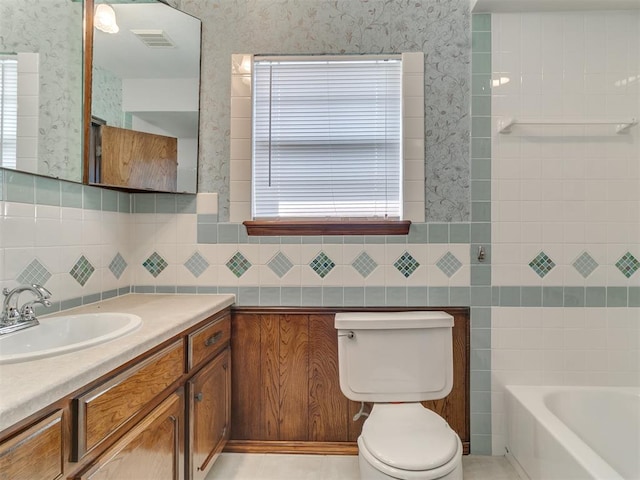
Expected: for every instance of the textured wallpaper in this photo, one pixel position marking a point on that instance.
(52, 28)
(106, 97)
(439, 28)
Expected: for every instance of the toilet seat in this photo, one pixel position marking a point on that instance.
(411, 440)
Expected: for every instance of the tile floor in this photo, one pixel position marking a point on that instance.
(236, 466)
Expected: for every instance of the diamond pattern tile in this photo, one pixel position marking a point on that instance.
(542, 264)
(35, 272)
(322, 264)
(406, 264)
(82, 270)
(628, 264)
(155, 264)
(118, 265)
(585, 264)
(280, 264)
(196, 264)
(364, 264)
(449, 264)
(238, 264)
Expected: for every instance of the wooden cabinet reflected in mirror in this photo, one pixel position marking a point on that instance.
(143, 82)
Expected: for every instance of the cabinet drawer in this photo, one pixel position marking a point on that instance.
(35, 453)
(209, 339)
(107, 407)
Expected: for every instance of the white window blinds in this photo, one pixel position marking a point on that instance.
(8, 110)
(327, 138)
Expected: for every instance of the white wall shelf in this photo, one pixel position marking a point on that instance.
(506, 126)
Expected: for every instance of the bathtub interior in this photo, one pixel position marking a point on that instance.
(546, 448)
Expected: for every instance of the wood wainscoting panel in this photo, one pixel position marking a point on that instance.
(286, 393)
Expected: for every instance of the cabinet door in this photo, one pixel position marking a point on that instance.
(209, 409)
(152, 450)
(42, 442)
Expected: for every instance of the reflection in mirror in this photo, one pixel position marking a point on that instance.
(146, 77)
(41, 87)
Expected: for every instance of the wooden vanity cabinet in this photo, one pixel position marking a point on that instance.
(209, 413)
(42, 441)
(152, 450)
(163, 415)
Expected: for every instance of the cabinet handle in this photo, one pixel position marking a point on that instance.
(213, 339)
(198, 397)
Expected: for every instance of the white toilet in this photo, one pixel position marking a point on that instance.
(396, 360)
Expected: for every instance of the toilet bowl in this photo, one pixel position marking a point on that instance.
(408, 441)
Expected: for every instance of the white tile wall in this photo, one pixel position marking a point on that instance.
(564, 191)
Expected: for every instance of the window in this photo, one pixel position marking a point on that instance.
(327, 137)
(8, 110)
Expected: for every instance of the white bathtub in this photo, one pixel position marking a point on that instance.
(563, 433)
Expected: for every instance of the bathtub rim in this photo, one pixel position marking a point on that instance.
(532, 399)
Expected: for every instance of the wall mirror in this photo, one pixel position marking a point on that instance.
(41, 83)
(145, 78)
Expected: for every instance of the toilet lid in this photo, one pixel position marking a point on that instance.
(409, 438)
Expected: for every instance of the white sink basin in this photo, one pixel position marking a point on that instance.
(57, 335)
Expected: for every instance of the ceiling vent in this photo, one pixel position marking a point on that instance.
(154, 38)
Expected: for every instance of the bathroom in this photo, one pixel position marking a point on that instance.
(556, 299)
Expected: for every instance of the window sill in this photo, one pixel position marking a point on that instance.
(327, 227)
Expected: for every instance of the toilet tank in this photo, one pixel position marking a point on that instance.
(395, 356)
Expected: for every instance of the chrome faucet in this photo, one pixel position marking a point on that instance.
(14, 318)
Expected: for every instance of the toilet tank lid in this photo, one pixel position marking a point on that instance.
(392, 320)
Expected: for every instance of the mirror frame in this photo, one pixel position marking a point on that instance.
(87, 37)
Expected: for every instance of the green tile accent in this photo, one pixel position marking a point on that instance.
(144, 203)
(418, 233)
(166, 203)
(118, 265)
(238, 264)
(228, 233)
(531, 296)
(481, 105)
(481, 42)
(481, 63)
(19, 187)
(449, 264)
(207, 233)
(481, 190)
(91, 198)
(480, 211)
(481, 85)
(481, 234)
(481, 22)
(332, 296)
(364, 264)
(374, 296)
(460, 296)
(250, 296)
(354, 297)
(196, 264)
(280, 264)
(438, 233)
(481, 296)
(616, 297)
(481, 127)
(82, 270)
(35, 272)
(311, 296)
(155, 264)
(71, 195)
(628, 265)
(480, 317)
(1, 184)
(322, 265)
(109, 200)
(438, 296)
(634, 296)
(416, 296)
(47, 191)
(542, 264)
(186, 203)
(481, 149)
(552, 296)
(595, 297)
(510, 296)
(124, 202)
(574, 296)
(290, 296)
(459, 233)
(406, 264)
(585, 264)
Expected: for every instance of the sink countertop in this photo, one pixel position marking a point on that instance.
(27, 387)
